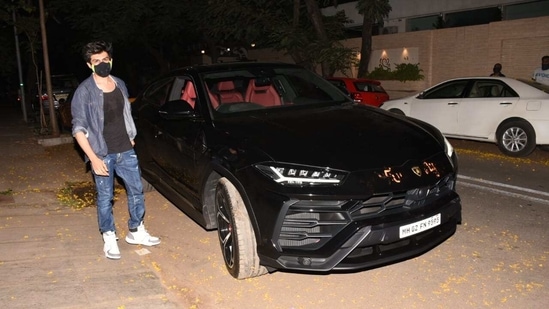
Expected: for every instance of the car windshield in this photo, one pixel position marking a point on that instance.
(261, 88)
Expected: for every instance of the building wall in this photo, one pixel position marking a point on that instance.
(463, 51)
(405, 9)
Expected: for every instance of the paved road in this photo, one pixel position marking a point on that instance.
(50, 255)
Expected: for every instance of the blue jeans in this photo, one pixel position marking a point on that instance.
(124, 165)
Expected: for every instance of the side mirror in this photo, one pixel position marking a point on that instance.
(178, 109)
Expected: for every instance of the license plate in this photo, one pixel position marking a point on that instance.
(419, 226)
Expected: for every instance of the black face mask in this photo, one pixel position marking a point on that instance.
(545, 67)
(103, 69)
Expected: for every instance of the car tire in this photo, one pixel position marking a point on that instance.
(516, 138)
(397, 111)
(236, 235)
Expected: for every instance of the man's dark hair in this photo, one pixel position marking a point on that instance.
(544, 58)
(95, 48)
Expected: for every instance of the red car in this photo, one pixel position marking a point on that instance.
(365, 91)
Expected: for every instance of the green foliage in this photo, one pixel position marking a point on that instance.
(380, 73)
(278, 25)
(408, 71)
(403, 72)
(338, 58)
(374, 10)
(155, 30)
(7, 192)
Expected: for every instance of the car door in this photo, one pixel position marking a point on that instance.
(179, 138)
(487, 103)
(439, 106)
(153, 98)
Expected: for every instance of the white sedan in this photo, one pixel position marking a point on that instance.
(512, 113)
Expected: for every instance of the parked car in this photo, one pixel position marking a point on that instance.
(292, 173)
(361, 90)
(62, 85)
(64, 111)
(512, 113)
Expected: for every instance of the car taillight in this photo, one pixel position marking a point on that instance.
(357, 97)
(44, 97)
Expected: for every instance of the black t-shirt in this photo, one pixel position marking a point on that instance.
(114, 130)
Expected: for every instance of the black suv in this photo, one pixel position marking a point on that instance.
(291, 172)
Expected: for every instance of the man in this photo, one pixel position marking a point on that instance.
(496, 71)
(541, 75)
(104, 129)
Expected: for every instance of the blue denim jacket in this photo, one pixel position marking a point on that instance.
(88, 116)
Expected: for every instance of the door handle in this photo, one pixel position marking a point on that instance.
(452, 103)
(505, 103)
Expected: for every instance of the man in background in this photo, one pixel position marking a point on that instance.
(541, 74)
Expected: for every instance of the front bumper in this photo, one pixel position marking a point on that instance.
(358, 235)
(376, 245)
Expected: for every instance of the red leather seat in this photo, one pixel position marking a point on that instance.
(189, 93)
(227, 92)
(262, 92)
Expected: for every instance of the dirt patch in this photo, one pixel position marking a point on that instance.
(82, 194)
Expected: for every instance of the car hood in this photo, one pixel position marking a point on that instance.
(348, 138)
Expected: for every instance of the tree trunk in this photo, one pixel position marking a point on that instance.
(316, 19)
(366, 47)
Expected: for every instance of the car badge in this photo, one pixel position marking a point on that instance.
(416, 170)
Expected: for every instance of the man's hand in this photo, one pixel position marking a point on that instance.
(99, 167)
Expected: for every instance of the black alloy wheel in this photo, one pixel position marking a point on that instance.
(236, 235)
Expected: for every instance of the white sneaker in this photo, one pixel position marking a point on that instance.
(111, 247)
(142, 237)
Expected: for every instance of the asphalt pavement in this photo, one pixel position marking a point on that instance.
(50, 253)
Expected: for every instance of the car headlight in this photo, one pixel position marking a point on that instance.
(301, 175)
(448, 148)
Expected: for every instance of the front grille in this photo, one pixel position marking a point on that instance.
(305, 226)
(309, 224)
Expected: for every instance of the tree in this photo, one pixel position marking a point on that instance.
(28, 27)
(293, 26)
(372, 11)
(154, 30)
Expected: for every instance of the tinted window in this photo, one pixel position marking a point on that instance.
(453, 89)
(369, 87)
(490, 89)
(158, 92)
(256, 88)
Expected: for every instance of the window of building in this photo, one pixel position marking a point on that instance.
(526, 10)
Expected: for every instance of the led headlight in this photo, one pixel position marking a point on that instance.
(301, 175)
(448, 147)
